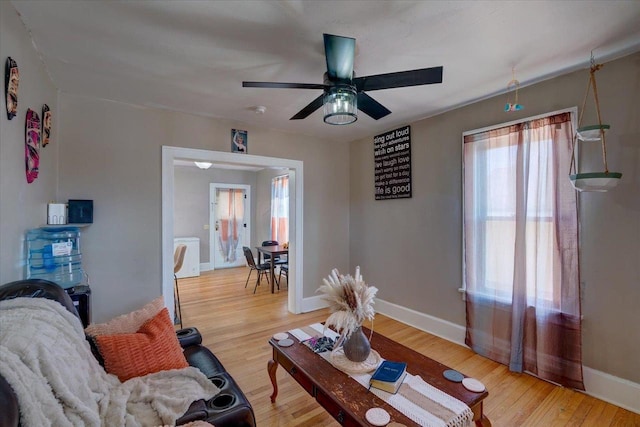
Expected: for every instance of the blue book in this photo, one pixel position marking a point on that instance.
(389, 376)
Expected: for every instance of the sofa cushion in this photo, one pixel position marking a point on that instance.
(152, 348)
(127, 323)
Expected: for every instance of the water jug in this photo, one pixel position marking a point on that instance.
(53, 253)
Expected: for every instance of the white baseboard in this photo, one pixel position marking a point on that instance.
(615, 390)
(207, 266)
(313, 304)
(612, 389)
(434, 325)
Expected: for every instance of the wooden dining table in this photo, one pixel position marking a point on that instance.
(273, 251)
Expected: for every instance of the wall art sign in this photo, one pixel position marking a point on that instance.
(392, 157)
(11, 80)
(32, 145)
(46, 125)
(239, 141)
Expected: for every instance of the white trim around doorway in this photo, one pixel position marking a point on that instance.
(295, 167)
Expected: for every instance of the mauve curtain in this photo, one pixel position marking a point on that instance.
(280, 209)
(231, 217)
(521, 249)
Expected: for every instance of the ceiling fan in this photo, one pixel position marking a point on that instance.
(343, 92)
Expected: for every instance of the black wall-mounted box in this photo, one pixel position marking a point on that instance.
(80, 212)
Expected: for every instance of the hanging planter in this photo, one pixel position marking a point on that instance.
(595, 181)
(592, 132)
(592, 181)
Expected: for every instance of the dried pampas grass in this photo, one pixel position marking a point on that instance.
(350, 301)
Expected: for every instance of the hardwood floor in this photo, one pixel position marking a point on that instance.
(236, 325)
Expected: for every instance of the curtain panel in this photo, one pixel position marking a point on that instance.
(231, 218)
(521, 249)
(280, 209)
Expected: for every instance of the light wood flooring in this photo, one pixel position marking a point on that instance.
(236, 325)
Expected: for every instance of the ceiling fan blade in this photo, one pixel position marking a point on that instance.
(278, 85)
(423, 76)
(371, 107)
(339, 52)
(306, 111)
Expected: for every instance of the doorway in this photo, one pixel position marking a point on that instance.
(230, 216)
(223, 159)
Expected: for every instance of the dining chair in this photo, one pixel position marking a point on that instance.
(262, 269)
(284, 268)
(178, 260)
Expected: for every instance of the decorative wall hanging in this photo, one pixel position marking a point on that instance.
(46, 125)
(11, 80)
(392, 164)
(32, 145)
(592, 181)
(512, 89)
(239, 141)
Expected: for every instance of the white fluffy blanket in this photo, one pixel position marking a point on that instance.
(48, 362)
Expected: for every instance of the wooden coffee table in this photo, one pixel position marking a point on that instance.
(348, 401)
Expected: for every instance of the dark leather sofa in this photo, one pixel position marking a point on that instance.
(228, 408)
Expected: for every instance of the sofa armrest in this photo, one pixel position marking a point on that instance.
(229, 408)
(201, 357)
(189, 336)
(10, 413)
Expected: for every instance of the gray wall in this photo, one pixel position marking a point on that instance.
(23, 206)
(411, 249)
(112, 154)
(191, 202)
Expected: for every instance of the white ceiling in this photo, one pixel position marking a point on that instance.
(192, 56)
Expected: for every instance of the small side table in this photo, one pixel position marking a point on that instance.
(81, 297)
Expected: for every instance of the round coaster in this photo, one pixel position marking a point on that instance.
(285, 343)
(453, 375)
(473, 384)
(280, 336)
(378, 417)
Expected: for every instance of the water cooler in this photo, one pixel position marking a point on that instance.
(53, 253)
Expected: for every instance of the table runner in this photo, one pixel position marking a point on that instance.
(418, 400)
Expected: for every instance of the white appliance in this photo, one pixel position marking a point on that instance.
(191, 264)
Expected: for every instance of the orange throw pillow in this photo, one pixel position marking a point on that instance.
(153, 348)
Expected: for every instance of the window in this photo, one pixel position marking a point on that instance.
(493, 214)
(280, 209)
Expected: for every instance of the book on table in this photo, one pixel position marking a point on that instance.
(389, 376)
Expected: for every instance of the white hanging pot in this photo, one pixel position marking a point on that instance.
(595, 181)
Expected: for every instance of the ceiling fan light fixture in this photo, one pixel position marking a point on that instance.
(203, 165)
(340, 105)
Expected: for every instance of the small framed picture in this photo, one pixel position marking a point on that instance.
(239, 141)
